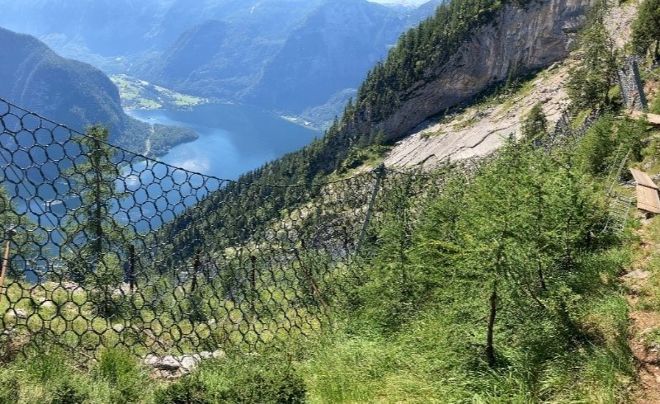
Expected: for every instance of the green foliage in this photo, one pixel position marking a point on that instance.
(417, 53)
(120, 370)
(590, 82)
(163, 138)
(646, 28)
(270, 378)
(360, 156)
(92, 230)
(597, 147)
(189, 390)
(605, 141)
(48, 375)
(654, 108)
(9, 388)
(535, 124)
(527, 230)
(68, 393)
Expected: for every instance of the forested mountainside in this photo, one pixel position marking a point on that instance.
(222, 47)
(252, 51)
(524, 276)
(445, 61)
(73, 92)
(491, 33)
(288, 62)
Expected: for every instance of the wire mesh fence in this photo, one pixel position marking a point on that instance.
(105, 247)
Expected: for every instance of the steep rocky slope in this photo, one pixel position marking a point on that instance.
(482, 128)
(517, 40)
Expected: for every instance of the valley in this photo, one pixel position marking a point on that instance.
(477, 224)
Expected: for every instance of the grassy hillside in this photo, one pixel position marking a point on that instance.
(503, 290)
(501, 285)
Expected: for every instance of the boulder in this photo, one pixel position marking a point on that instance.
(168, 362)
(171, 367)
(189, 362)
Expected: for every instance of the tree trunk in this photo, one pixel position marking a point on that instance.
(490, 348)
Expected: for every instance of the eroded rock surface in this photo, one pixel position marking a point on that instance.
(483, 128)
(519, 40)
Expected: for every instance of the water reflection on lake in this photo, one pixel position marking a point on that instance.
(233, 139)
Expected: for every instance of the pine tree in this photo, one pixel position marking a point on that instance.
(100, 243)
(646, 29)
(535, 124)
(590, 82)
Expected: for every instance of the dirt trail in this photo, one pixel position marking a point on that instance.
(644, 321)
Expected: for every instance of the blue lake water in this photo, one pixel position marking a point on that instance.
(233, 139)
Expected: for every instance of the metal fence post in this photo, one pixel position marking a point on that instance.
(131, 268)
(380, 175)
(5, 262)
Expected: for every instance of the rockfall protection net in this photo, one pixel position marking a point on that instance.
(103, 247)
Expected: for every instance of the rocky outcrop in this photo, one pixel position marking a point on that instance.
(519, 40)
(172, 367)
(482, 128)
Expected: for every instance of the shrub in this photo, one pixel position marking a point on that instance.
(646, 29)
(595, 150)
(268, 378)
(67, 392)
(189, 390)
(9, 388)
(119, 369)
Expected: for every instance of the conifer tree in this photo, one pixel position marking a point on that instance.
(590, 82)
(646, 29)
(98, 240)
(535, 124)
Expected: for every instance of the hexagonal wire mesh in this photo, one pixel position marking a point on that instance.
(105, 247)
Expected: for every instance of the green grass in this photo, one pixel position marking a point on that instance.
(139, 94)
(413, 328)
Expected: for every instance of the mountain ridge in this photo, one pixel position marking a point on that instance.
(72, 92)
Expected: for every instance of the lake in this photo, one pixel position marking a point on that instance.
(233, 139)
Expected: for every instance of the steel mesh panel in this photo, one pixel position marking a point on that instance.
(110, 248)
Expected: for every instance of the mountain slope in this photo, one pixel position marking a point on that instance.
(224, 45)
(102, 27)
(447, 60)
(298, 57)
(349, 141)
(68, 91)
(331, 51)
(283, 56)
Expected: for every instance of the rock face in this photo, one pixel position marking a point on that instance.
(519, 40)
(481, 129)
